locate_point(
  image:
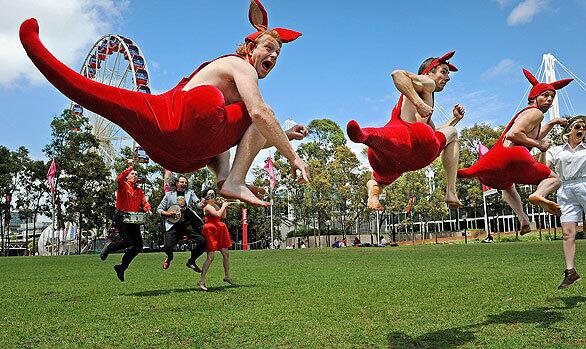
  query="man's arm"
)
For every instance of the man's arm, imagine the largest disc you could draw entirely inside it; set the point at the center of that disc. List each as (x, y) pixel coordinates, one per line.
(246, 80)
(411, 85)
(549, 126)
(145, 203)
(121, 180)
(163, 206)
(457, 115)
(525, 123)
(262, 115)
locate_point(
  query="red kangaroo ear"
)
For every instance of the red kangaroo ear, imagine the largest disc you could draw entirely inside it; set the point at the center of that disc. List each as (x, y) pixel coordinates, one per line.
(287, 35)
(258, 15)
(530, 77)
(447, 56)
(561, 83)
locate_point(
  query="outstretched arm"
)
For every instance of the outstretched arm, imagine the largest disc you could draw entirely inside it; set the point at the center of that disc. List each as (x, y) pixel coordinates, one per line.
(246, 80)
(411, 85)
(457, 115)
(549, 126)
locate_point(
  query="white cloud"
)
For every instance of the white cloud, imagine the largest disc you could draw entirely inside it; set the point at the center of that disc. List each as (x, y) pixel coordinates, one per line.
(502, 3)
(525, 11)
(505, 67)
(67, 27)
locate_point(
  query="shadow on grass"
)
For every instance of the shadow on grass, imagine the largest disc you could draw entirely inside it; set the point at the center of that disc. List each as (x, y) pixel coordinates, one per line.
(572, 301)
(544, 317)
(153, 293)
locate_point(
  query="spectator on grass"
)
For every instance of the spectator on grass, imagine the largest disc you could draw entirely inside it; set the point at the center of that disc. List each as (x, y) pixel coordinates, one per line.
(356, 242)
(383, 241)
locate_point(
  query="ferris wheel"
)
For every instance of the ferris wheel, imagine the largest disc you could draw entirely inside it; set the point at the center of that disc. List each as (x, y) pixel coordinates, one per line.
(116, 61)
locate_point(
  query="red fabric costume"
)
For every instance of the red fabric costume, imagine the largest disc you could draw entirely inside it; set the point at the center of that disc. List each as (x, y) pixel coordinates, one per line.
(216, 233)
(502, 166)
(399, 146)
(181, 130)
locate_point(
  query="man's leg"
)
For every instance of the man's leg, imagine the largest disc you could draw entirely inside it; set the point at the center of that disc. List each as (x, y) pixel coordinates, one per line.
(374, 190)
(133, 231)
(220, 166)
(546, 187)
(511, 197)
(200, 244)
(450, 157)
(234, 186)
(170, 241)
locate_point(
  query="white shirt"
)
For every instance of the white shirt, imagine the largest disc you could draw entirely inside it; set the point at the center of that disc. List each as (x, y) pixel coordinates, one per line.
(570, 164)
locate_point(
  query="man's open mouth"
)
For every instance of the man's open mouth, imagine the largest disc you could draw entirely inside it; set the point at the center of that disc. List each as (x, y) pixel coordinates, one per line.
(267, 65)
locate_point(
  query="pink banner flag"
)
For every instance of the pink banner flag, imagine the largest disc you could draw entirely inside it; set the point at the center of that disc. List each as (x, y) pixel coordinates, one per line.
(51, 175)
(482, 149)
(167, 178)
(271, 170)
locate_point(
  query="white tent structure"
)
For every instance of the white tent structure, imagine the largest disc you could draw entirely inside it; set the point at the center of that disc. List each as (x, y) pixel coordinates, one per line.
(61, 241)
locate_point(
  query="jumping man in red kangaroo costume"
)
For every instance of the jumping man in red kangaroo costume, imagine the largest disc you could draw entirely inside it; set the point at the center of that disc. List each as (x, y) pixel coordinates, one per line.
(196, 123)
(509, 160)
(410, 141)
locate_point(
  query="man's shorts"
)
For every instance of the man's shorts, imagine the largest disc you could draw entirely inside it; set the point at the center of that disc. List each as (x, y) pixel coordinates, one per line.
(572, 199)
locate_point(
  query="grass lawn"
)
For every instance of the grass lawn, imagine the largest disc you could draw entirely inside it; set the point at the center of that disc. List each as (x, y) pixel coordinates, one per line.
(427, 296)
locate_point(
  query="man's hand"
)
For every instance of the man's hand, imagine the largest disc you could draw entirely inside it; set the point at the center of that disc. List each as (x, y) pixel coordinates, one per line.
(423, 109)
(458, 112)
(297, 132)
(300, 165)
(130, 162)
(559, 121)
(543, 145)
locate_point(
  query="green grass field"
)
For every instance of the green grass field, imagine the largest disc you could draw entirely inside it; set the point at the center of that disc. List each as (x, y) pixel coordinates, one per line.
(433, 296)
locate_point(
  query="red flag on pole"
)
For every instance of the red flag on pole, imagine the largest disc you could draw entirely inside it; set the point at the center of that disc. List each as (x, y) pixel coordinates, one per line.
(271, 170)
(481, 151)
(51, 175)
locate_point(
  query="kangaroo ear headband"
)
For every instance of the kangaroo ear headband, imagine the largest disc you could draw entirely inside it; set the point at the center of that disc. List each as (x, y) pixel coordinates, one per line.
(259, 19)
(540, 87)
(441, 60)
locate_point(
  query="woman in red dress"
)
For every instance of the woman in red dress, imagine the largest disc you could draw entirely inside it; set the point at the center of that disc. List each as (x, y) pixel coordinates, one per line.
(217, 236)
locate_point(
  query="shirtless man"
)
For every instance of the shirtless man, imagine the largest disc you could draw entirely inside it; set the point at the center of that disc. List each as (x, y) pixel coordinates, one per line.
(509, 161)
(410, 141)
(196, 123)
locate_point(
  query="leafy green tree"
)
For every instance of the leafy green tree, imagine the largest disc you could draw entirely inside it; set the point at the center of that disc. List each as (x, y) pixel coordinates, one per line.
(83, 191)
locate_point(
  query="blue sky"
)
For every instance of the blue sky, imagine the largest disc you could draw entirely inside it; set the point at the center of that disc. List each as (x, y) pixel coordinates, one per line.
(338, 69)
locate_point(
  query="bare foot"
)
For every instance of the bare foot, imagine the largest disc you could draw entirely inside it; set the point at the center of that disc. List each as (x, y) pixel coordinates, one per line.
(452, 200)
(202, 286)
(373, 193)
(547, 205)
(257, 191)
(525, 229)
(241, 192)
(229, 281)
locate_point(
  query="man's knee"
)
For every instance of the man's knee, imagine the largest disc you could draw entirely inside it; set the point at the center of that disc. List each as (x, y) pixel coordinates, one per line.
(451, 134)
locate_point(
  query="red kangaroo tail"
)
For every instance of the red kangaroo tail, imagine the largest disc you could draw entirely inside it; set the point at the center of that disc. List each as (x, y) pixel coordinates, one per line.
(115, 104)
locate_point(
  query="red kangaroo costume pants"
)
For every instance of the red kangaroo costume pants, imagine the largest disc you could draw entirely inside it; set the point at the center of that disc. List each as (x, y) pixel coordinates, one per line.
(502, 166)
(399, 146)
(181, 130)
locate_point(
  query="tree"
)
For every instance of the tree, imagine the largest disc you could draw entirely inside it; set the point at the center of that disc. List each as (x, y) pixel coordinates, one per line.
(83, 191)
